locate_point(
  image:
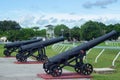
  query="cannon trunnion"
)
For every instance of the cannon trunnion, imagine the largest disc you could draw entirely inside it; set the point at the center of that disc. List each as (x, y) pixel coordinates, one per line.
(74, 58)
(28, 50)
(12, 47)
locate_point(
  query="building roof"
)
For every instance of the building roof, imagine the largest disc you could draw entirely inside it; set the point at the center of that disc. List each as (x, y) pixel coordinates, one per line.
(49, 26)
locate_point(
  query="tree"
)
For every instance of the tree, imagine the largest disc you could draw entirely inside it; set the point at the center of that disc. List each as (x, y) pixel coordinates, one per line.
(75, 33)
(9, 25)
(61, 29)
(91, 30)
(13, 35)
(114, 27)
(23, 34)
(41, 33)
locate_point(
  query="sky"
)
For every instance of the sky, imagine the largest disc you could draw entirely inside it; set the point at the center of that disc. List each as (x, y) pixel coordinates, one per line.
(30, 13)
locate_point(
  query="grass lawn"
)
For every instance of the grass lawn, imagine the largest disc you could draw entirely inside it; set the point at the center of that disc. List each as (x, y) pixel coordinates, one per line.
(105, 60)
(1, 49)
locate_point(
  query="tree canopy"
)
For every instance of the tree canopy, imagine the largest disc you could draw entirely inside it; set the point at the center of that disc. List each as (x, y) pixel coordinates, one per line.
(89, 30)
(9, 25)
(75, 33)
(61, 29)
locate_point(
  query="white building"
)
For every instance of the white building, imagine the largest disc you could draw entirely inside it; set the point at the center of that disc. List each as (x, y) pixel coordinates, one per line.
(3, 39)
(50, 31)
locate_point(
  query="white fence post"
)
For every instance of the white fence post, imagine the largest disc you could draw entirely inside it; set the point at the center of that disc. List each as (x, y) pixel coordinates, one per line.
(87, 53)
(62, 49)
(99, 55)
(113, 62)
(67, 48)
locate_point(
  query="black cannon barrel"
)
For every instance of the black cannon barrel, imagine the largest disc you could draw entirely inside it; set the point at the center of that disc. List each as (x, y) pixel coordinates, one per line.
(63, 57)
(41, 44)
(19, 43)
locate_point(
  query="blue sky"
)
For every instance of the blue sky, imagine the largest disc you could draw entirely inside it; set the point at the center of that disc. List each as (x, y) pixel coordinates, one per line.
(69, 12)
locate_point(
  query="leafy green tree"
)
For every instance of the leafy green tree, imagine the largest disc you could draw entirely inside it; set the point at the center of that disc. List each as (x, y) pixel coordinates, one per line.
(24, 34)
(43, 33)
(27, 33)
(2, 33)
(9, 25)
(75, 33)
(61, 29)
(91, 30)
(12, 35)
(114, 27)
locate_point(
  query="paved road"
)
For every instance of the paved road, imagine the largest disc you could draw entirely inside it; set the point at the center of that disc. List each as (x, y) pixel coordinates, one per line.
(11, 71)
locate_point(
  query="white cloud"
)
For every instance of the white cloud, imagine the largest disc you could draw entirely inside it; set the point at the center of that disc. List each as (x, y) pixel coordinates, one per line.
(53, 20)
(67, 19)
(31, 19)
(42, 21)
(98, 3)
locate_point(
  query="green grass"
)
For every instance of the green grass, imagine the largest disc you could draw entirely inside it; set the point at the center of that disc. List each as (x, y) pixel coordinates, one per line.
(105, 60)
(1, 49)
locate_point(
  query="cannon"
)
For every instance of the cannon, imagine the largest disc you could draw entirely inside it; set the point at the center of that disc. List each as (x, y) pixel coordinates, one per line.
(13, 47)
(74, 58)
(28, 50)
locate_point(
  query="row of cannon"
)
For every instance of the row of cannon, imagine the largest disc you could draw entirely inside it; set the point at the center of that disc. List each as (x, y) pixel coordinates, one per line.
(54, 65)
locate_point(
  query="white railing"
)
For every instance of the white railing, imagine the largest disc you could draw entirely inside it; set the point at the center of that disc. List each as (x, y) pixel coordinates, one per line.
(113, 62)
(99, 55)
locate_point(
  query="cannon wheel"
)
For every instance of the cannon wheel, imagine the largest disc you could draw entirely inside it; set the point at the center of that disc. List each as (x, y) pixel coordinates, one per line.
(45, 69)
(43, 58)
(21, 58)
(78, 69)
(55, 71)
(87, 69)
(6, 53)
